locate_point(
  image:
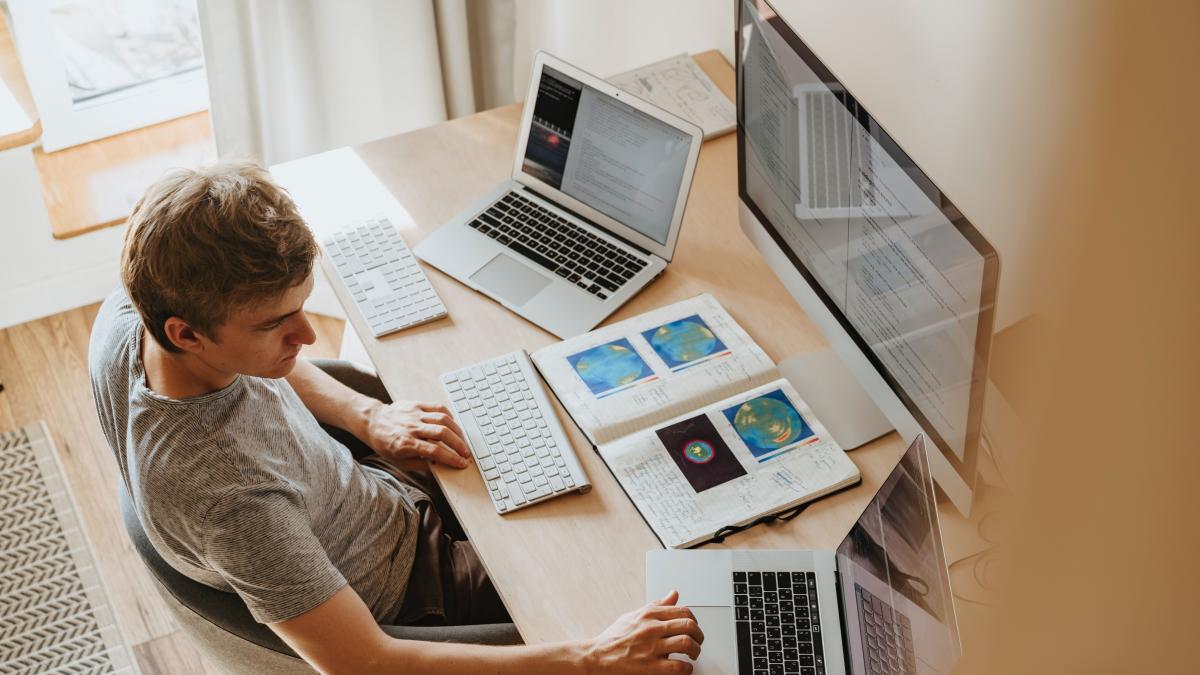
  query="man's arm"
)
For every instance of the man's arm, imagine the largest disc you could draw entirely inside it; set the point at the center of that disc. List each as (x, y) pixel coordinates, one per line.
(341, 636)
(401, 430)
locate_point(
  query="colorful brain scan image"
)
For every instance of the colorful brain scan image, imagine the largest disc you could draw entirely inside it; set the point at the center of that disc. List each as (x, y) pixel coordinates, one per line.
(769, 424)
(610, 367)
(701, 454)
(698, 452)
(685, 342)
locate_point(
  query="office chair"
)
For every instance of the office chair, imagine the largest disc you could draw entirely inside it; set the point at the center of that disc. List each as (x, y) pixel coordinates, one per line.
(226, 634)
(221, 625)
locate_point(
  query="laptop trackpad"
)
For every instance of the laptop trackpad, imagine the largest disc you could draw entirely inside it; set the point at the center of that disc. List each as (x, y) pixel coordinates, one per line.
(513, 281)
(718, 654)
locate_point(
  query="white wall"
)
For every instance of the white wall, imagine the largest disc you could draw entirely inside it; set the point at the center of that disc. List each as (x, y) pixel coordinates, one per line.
(40, 275)
(606, 37)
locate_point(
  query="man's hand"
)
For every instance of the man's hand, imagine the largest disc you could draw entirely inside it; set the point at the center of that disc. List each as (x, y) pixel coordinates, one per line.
(412, 429)
(641, 641)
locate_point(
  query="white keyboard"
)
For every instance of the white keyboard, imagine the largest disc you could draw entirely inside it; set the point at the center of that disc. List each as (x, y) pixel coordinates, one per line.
(520, 447)
(388, 286)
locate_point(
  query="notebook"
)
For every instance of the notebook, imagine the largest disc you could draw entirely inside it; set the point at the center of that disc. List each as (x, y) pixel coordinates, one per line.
(695, 421)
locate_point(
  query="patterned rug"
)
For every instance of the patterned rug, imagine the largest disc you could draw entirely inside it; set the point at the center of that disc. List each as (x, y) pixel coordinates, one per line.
(54, 614)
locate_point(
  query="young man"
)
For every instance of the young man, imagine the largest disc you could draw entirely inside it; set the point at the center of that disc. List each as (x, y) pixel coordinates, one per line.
(216, 425)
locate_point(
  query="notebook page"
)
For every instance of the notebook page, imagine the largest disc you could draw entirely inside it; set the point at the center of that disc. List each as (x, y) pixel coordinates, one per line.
(756, 453)
(622, 378)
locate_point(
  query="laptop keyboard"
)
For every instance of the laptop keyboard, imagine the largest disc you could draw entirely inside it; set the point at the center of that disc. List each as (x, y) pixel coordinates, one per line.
(548, 239)
(778, 625)
(886, 636)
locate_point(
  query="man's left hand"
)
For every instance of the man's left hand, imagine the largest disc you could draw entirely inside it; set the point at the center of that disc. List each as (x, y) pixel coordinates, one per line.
(415, 429)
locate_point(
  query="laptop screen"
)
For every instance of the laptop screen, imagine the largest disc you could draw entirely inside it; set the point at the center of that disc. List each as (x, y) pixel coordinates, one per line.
(606, 154)
(898, 609)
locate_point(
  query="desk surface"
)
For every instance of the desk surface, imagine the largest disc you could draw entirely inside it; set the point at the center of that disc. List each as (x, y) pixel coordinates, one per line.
(566, 568)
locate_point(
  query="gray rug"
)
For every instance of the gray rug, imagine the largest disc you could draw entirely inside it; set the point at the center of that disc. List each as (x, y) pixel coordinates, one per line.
(54, 614)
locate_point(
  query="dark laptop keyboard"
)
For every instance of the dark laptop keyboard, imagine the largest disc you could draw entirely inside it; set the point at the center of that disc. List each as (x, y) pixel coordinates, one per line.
(553, 242)
(886, 636)
(778, 625)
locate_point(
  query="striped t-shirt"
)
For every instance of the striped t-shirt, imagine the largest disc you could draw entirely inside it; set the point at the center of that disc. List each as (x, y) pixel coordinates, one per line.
(242, 490)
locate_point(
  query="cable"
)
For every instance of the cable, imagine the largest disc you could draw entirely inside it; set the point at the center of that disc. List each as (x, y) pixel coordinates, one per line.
(981, 560)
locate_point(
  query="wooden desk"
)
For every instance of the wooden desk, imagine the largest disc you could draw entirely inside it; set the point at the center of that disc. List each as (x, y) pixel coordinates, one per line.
(568, 567)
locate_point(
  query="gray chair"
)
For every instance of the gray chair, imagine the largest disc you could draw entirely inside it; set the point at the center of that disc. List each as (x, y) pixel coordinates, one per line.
(228, 635)
(223, 628)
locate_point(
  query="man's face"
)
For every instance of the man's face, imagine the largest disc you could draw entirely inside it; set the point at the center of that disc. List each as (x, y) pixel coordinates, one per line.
(263, 338)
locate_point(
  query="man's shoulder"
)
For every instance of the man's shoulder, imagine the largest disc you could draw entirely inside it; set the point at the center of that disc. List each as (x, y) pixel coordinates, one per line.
(114, 327)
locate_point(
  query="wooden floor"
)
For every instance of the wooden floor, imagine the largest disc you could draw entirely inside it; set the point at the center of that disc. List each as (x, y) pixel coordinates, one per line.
(43, 367)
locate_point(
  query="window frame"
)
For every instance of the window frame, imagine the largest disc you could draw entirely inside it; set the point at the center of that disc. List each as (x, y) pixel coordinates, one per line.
(63, 124)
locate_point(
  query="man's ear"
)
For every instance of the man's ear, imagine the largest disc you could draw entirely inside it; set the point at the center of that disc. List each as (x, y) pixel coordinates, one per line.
(183, 335)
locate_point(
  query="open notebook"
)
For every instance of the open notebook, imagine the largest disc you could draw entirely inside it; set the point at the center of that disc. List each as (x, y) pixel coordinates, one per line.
(694, 420)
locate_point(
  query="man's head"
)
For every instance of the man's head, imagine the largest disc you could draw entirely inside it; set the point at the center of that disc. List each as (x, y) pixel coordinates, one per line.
(218, 263)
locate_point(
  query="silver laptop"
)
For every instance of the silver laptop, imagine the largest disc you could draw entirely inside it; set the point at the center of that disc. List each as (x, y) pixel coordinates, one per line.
(880, 604)
(591, 212)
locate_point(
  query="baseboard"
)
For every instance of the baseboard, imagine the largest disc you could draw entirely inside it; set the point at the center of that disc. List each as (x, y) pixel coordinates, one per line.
(58, 293)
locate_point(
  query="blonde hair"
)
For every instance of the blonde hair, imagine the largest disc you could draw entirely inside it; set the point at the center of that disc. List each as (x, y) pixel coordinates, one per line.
(202, 243)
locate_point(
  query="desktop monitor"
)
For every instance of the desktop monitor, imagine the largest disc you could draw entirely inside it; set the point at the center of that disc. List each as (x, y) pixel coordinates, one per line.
(897, 279)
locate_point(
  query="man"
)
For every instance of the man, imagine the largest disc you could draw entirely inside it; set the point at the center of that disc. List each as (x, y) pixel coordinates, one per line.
(216, 425)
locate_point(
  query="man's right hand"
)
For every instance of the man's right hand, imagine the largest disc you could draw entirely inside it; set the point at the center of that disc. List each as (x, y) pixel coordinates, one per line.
(642, 640)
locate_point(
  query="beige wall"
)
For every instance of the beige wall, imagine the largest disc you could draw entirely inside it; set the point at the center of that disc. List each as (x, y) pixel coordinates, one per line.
(1068, 132)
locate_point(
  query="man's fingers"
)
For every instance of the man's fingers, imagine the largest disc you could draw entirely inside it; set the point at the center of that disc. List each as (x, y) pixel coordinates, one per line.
(668, 612)
(679, 644)
(670, 599)
(434, 452)
(673, 667)
(431, 407)
(446, 436)
(681, 627)
(444, 419)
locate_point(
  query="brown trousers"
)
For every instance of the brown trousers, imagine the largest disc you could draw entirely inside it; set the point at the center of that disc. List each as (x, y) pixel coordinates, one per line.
(448, 585)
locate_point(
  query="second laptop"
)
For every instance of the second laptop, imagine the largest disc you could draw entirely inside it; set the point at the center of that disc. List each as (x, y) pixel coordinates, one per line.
(591, 212)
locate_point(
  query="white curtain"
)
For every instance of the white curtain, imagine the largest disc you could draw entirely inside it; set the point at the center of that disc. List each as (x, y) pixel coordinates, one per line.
(606, 37)
(289, 78)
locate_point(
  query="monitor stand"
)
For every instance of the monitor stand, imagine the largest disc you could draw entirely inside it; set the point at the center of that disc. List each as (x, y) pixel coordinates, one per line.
(836, 398)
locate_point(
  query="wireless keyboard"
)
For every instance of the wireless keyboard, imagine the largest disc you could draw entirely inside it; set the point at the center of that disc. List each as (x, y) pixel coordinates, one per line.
(388, 286)
(520, 448)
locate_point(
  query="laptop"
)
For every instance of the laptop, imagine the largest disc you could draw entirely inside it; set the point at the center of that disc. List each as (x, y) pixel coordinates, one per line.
(591, 212)
(879, 604)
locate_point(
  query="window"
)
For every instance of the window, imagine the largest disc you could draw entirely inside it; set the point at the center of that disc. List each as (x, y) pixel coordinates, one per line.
(102, 67)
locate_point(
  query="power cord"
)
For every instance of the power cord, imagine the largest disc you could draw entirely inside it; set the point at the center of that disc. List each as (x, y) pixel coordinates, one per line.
(984, 565)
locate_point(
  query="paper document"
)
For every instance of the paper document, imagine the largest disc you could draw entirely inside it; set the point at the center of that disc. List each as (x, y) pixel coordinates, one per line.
(757, 453)
(694, 420)
(678, 85)
(624, 377)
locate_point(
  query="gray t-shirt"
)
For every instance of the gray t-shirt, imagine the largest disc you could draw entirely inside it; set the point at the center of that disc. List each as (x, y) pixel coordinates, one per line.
(242, 490)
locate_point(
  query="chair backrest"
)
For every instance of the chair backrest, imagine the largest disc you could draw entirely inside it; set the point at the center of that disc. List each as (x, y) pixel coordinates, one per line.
(222, 609)
(221, 620)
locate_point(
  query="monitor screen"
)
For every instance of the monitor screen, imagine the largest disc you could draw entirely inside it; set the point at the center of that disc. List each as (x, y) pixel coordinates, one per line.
(898, 609)
(904, 273)
(616, 159)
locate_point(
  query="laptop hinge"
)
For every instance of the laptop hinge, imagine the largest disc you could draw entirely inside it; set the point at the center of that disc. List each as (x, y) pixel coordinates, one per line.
(580, 216)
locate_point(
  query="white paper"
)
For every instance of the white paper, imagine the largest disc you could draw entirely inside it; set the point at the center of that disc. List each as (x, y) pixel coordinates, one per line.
(678, 85)
(682, 516)
(661, 390)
